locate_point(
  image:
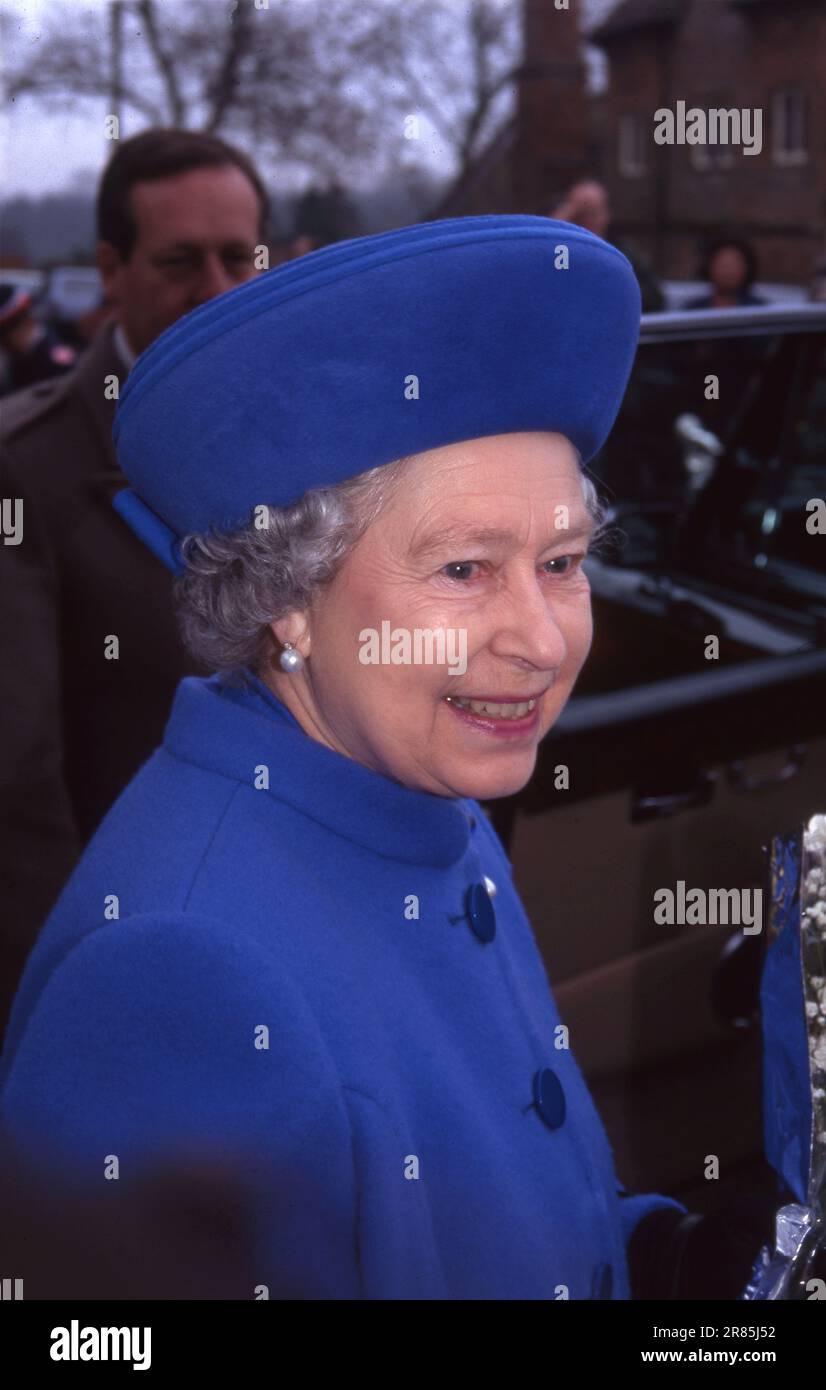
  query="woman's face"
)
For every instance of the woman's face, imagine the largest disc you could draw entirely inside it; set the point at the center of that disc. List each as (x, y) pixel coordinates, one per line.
(728, 270)
(511, 608)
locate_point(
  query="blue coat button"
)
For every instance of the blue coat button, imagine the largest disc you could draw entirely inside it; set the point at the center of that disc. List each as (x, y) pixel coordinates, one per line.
(480, 913)
(549, 1097)
(602, 1281)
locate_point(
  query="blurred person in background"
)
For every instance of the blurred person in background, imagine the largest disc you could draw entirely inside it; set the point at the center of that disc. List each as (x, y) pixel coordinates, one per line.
(33, 350)
(730, 266)
(587, 204)
(302, 244)
(179, 217)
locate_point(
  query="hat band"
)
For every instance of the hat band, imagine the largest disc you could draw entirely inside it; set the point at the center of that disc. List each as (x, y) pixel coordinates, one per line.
(149, 528)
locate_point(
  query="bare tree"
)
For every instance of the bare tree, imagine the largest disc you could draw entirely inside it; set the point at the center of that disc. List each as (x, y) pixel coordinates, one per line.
(324, 85)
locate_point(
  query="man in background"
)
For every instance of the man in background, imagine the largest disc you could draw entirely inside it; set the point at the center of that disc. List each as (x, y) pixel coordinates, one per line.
(179, 217)
(588, 205)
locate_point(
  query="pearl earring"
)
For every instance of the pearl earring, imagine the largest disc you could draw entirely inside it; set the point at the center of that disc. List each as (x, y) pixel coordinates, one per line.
(291, 660)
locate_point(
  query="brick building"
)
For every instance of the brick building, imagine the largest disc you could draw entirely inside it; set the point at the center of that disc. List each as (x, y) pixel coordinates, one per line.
(552, 145)
(548, 142)
(766, 54)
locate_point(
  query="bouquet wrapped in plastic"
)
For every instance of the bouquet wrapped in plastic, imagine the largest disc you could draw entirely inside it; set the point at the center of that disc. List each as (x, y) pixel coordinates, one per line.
(793, 1008)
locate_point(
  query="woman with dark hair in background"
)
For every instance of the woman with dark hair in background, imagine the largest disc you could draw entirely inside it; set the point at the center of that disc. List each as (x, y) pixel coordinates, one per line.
(731, 267)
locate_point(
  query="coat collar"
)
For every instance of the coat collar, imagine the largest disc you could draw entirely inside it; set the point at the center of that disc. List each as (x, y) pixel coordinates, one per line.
(100, 360)
(235, 729)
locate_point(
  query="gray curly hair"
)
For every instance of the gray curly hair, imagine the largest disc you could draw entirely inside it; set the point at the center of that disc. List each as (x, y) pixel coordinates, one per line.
(237, 583)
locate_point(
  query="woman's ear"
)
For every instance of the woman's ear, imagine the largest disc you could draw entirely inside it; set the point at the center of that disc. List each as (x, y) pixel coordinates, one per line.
(294, 627)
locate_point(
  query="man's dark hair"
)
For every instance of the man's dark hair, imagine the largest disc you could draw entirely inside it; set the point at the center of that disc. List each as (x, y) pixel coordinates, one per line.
(161, 153)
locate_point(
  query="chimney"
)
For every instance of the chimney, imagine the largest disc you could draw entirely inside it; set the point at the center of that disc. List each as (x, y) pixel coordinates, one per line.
(551, 146)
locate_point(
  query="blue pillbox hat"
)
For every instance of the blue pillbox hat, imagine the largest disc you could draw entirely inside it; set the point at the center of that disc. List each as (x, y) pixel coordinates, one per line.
(367, 351)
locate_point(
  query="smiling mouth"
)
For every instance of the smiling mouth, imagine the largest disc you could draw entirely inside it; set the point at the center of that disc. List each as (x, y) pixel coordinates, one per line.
(495, 709)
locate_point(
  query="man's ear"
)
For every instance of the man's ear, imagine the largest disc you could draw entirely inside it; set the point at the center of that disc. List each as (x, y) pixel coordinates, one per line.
(108, 263)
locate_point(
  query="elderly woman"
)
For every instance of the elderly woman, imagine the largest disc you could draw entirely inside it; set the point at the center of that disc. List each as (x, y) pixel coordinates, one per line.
(294, 940)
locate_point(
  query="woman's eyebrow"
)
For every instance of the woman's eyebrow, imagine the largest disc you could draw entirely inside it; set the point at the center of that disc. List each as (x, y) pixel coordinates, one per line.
(449, 537)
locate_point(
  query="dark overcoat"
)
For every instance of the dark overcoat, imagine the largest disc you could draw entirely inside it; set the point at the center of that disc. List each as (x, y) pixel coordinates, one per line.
(77, 721)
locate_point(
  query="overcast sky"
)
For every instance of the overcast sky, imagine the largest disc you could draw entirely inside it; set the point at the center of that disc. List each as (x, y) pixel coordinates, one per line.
(42, 153)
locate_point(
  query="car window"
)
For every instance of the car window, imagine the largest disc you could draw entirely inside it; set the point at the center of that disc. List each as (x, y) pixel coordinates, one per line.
(747, 525)
(652, 454)
(781, 512)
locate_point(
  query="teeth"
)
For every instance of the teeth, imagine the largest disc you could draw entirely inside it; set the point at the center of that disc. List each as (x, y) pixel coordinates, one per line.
(496, 711)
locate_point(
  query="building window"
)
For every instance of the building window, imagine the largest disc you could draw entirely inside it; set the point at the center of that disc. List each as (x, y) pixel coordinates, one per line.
(632, 136)
(711, 157)
(790, 126)
(705, 158)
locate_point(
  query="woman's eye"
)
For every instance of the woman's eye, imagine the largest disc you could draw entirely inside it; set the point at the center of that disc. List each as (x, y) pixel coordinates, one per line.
(566, 565)
(570, 563)
(450, 570)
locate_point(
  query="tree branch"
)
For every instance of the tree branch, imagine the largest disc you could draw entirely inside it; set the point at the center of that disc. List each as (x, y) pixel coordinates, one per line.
(145, 10)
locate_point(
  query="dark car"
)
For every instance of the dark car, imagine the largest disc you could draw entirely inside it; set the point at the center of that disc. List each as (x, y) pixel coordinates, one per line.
(685, 756)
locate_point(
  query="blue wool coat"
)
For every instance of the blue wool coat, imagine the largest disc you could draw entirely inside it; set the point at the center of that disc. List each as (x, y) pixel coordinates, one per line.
(302, 975)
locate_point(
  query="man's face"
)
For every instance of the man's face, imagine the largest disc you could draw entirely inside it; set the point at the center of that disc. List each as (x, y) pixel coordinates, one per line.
(197, 234)
(592, 210)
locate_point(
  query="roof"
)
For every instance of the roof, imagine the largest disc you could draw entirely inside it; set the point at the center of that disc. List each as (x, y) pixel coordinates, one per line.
(629, 15)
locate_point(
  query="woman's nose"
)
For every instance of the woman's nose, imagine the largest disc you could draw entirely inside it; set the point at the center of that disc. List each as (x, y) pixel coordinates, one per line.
(529, 628)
